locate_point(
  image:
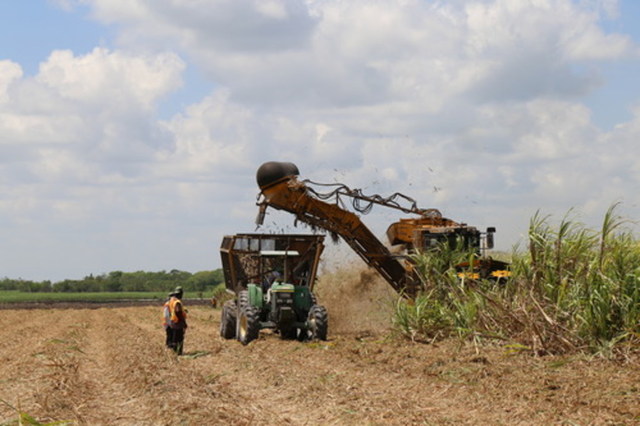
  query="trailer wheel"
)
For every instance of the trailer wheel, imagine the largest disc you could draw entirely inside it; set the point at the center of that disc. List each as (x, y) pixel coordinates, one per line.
(248, 324)
(228, 320)
(317, 322)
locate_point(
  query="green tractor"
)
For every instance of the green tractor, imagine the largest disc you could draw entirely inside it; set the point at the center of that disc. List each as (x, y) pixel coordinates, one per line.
(272, 278)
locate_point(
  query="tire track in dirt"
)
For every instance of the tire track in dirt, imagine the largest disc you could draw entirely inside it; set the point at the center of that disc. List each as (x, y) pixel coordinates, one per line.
(207, 363)
(321, 382)
(110, 366)
(43, 366)
(372, 379)
(107, 400)
(315, 382)
(128, 365)
(150, 385)
(22, 338)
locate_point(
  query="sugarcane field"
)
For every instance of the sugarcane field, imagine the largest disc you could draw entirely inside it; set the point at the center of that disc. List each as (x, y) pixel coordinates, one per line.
(110, 366)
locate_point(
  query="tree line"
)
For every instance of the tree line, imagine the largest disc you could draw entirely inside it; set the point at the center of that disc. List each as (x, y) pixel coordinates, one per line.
(118, 281)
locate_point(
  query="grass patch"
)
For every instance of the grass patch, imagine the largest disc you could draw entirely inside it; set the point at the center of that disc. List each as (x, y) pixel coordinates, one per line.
(12, 296)
(26, 419)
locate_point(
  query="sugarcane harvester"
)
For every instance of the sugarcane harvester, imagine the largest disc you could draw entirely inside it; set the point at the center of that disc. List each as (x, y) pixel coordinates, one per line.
(281, 189)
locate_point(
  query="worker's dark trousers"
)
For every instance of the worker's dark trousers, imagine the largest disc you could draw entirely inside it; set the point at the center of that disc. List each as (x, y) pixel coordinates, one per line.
(175, 339)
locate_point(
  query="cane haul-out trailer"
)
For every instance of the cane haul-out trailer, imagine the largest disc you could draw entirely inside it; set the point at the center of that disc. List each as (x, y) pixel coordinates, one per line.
(272, 277)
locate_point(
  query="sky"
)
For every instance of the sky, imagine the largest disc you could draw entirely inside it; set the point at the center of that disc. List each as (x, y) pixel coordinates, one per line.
(131, 130)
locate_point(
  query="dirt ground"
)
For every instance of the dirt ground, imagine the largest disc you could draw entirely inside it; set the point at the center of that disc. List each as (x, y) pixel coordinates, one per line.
(109, 366)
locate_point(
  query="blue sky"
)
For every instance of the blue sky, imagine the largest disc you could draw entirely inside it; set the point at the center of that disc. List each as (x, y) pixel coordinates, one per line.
(130, 131)
(32, 30)
(619, 94)
(74, 29)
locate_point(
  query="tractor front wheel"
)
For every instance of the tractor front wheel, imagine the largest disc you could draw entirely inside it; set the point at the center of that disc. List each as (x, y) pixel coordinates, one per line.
(248, 324)
(317, 323)
(228, 320)
(243, 299)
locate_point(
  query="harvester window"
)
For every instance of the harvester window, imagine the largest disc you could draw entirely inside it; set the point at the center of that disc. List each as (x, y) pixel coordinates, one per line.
(431, 243)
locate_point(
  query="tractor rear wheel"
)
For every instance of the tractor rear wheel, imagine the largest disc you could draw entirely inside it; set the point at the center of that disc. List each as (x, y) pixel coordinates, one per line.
(248, 324)
(228, 320)
(318, 323)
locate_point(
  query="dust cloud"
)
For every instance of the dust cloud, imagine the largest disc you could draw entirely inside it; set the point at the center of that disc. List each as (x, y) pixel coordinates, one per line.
(358, 300)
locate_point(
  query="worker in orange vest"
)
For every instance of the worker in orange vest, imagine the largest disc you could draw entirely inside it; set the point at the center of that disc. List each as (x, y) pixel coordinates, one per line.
(166, 318)
(175, 321)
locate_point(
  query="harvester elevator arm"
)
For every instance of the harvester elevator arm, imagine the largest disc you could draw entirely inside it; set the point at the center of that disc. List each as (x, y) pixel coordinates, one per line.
(281, 190)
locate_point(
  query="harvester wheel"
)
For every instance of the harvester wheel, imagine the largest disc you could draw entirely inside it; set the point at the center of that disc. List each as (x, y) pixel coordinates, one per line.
(228, 320)
(318, 323)
(248, 324)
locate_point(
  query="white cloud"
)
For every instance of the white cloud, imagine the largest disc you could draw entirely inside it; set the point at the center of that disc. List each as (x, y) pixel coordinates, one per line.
(333, 54)
(75, 128)
(557, 27)
(9, 71)
(87, 100)
(272, 8)
(103, 77)
(212, 135)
